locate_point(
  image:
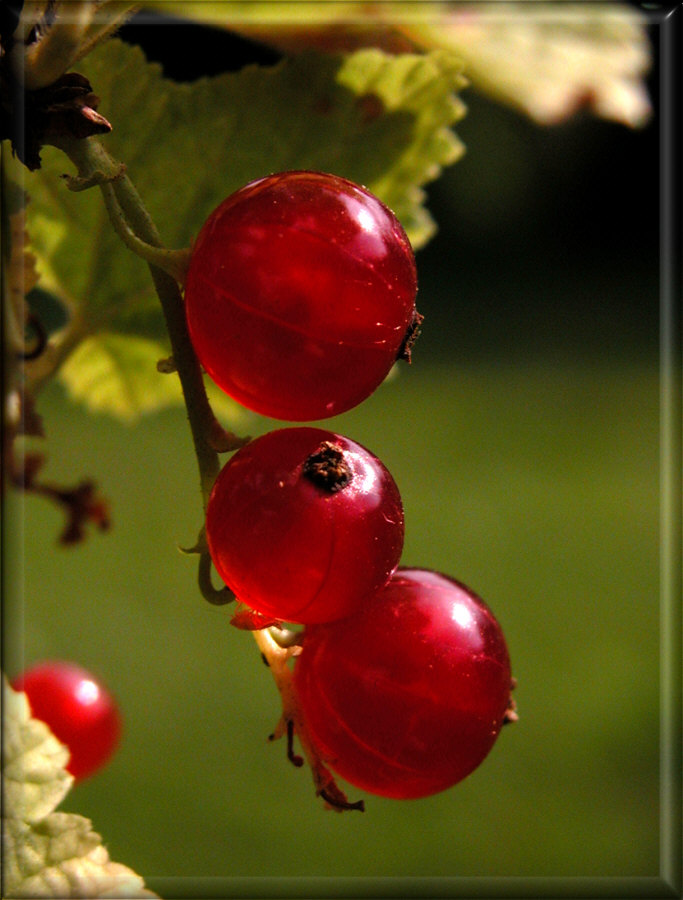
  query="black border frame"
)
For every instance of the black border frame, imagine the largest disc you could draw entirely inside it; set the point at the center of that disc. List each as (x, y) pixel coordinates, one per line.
(665, 24)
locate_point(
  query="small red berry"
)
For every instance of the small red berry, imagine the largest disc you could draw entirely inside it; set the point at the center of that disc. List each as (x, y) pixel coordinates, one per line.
(77, 708)
(406, 697)
(304, 525)
(300, 295)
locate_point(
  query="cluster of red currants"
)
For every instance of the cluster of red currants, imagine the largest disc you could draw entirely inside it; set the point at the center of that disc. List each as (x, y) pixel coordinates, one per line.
(300, 297)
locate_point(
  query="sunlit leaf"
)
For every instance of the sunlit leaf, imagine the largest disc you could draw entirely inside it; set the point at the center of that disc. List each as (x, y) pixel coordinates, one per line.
(33, 760)
(550, 60)
(546, 59)
(117, 373)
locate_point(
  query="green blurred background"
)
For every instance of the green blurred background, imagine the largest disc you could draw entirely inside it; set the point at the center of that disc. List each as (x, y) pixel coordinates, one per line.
(525, 442)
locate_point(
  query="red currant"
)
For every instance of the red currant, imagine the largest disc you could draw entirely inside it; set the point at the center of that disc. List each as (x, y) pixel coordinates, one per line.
(300, 295)
(78, 709)
(303, 525)
(407, 696)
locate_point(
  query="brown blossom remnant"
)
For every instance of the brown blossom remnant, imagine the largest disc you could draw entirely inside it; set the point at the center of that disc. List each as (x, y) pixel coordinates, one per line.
(82, 504)
(511, 714)
(405, 351)
(327, 468)
(66, 108)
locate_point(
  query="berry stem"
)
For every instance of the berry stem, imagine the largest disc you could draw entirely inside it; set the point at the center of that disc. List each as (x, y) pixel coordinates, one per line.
(216, 596)
(131, 219)
(200, 415)
(72, 35)
(47, 59)
(134, 225)
(174, 262)
(292, 723)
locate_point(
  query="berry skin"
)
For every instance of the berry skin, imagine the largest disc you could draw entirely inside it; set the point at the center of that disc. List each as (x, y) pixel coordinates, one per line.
(79, 711)
(300, 295)
(303, 525)
(407, 696)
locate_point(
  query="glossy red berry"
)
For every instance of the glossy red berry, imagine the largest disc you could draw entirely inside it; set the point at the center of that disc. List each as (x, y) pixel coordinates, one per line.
(407, 696)
(300, 295)
(77, 708)
(303, 525)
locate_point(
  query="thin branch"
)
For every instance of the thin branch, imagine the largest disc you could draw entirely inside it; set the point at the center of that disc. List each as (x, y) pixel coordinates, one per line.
(217, 596)
(174, 262)
(96, 166)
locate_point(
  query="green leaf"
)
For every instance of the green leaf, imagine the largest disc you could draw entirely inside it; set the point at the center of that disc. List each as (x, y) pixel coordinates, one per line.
(46, 853)
(187, 146)
(117, 373)
(62, 856)
(380, 120)
(33, 760)
(549, 60)
(285, 14)
(545, 59)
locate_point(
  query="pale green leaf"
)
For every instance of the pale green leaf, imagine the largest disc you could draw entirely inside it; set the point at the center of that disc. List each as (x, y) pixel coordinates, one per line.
(46, 853)
(380, 120)
(545, 59)
(33, 760)
(275, 16)
(62, 856)
(117, 373)
(550, 59)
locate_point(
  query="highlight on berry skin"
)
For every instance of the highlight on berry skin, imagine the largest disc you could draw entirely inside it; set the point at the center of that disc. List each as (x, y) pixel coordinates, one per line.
(300, 295)
(407, 696)
(78, 709)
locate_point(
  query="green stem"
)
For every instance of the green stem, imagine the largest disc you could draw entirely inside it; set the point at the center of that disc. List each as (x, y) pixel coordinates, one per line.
(200, 415)
(95, 166)
(174, 262)
(124, 206)
(218, 596)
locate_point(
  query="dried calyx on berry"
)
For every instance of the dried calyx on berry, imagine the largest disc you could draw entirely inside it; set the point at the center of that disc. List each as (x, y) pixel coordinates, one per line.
(405, 351)
(328, 468)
